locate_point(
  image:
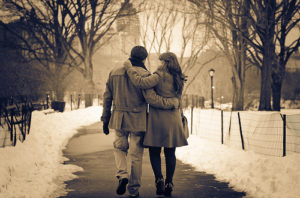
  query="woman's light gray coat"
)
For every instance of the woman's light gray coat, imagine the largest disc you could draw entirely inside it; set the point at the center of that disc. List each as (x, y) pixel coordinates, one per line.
(164, 127)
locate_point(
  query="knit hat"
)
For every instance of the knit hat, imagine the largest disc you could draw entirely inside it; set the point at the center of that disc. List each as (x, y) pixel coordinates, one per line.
(139, 52)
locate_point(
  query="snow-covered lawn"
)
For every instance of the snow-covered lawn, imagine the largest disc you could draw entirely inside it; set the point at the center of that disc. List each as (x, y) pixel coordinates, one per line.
(34, 168)
(258, 175)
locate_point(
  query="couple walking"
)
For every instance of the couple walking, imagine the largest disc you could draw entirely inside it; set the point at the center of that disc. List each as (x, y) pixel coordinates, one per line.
(129, 90)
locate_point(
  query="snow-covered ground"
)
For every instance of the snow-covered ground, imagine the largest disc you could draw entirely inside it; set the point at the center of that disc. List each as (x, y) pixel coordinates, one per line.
(258, 175)
(34, 168)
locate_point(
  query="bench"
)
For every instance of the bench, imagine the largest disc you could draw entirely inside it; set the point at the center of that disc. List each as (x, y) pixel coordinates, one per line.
(16, 118)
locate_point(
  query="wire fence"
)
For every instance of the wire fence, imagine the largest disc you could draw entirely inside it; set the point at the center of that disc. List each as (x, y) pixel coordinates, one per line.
(293, 133)
(267, 133)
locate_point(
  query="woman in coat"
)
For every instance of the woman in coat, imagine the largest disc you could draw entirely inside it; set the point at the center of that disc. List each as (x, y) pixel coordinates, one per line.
(165, 128)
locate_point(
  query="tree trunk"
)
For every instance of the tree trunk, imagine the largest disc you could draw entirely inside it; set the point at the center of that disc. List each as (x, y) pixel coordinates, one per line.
(278, 71)
(239, 100)
(89, 78)
(276, 94)
(278, 74)
(238, 95)
(265, 88)
(88, 98)
(58, 83)
(59, 90)
(242, 55)
(268, 18)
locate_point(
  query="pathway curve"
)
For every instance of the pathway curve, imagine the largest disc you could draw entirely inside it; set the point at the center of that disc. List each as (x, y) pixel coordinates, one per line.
(93, 151)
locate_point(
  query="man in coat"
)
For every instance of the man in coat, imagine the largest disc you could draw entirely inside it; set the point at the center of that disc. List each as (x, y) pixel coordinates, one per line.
(128, 119)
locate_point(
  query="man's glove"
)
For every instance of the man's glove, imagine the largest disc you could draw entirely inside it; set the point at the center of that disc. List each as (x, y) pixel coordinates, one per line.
(105, 128)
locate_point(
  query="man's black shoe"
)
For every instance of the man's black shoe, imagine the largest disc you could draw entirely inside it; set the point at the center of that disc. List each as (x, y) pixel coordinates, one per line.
(160, 186)
(134, 196)
(122, 186)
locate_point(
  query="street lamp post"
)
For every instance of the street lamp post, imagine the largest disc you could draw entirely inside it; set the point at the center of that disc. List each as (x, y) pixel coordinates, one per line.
(211, 73)
(222, 98)
(47, 100)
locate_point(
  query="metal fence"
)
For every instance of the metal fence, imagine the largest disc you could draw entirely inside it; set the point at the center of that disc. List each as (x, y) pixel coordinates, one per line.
(15, 119)
(268, 133)
(75, 100)
(15, 112)
(293, 133)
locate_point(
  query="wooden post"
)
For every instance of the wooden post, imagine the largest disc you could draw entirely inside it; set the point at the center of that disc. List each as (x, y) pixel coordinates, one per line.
(192, 110)
(78, 101)
(222, 129)
(47, 101)
(284, 135)
(71, 102)
(241, 132)
(11, 125)
(192, 113)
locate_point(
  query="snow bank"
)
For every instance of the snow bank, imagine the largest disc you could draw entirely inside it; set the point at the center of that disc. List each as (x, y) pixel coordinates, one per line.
(34, 168)
(258, 175)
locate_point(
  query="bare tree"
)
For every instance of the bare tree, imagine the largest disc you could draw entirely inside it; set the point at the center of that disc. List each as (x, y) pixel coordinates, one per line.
(262, 19)
(93, 19)
(287, 19)
(56, 26)
(44, 33)
(159, 18)
(227, 21)
(271, 23)
(255, 27)
(162, 19)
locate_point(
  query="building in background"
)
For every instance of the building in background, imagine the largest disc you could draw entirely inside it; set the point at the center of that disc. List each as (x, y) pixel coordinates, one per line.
(124, 34)
(119, 41)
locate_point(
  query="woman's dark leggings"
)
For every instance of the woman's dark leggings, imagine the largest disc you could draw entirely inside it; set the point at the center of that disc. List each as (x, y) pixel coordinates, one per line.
(156, 162)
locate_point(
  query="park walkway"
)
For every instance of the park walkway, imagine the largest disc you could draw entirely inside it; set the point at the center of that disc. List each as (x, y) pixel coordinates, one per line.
(93, 151)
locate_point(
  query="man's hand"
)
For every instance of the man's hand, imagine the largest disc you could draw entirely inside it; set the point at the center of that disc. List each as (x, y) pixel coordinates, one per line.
(175, 102)
(105, 128)
(159, 73)
(127, 65)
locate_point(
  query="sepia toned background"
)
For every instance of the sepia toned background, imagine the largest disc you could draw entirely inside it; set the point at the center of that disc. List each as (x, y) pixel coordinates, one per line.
(47, 49)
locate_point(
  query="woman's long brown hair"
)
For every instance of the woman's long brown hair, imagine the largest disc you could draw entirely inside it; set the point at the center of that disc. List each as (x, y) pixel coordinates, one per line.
(174, 69)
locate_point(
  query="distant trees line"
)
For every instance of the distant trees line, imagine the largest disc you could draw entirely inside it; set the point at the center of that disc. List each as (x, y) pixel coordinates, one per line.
(247, 32)
(64, 35)
(254, 32)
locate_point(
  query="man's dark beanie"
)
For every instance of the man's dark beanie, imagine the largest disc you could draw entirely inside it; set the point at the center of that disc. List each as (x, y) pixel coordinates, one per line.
(139, 52)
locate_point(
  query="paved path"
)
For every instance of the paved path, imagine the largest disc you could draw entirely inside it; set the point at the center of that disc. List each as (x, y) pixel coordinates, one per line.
(93, 151)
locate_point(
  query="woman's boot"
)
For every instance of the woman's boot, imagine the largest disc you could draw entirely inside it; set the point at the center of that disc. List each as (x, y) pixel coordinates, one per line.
(168, 189)
(160, 187)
